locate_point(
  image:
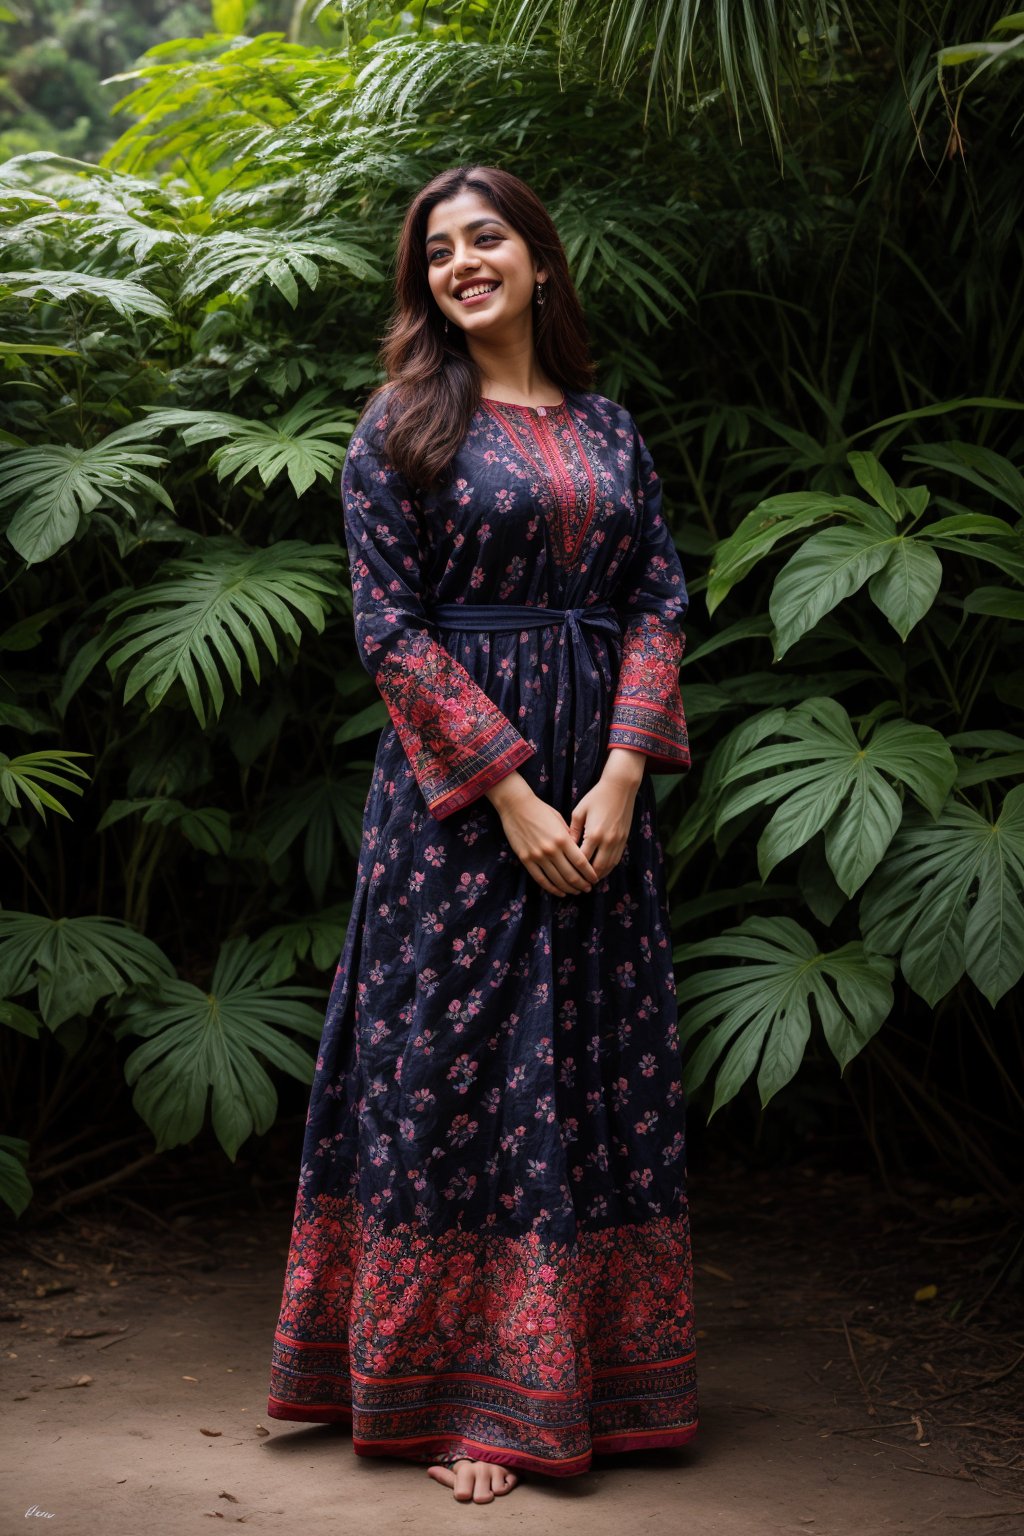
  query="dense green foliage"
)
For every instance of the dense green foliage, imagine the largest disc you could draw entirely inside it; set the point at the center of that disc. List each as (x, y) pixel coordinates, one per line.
(800, 255)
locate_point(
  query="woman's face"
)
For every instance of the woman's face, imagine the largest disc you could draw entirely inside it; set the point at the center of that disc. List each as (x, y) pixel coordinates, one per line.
(480, 269)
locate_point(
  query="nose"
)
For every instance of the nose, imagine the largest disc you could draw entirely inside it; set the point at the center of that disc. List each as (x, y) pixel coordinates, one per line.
(465, 258)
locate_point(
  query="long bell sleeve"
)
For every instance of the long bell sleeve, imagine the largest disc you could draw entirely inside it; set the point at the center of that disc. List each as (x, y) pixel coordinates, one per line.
(651, 600)
(457, 741)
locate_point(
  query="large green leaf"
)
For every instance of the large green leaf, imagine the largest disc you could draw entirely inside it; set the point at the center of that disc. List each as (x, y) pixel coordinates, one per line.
(74, 961)
(56, 485)
(947, 899)
(758, 1011)
(305, 441)
(15, 1189)
(27, 774)
(235, 261)
(198, 1040)
(124, 295)
(775, 518)
(831, 781)
(205, 611)
(321, 811)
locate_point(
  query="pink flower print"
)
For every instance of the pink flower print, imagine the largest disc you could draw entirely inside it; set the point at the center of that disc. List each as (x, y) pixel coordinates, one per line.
(598, 1207)
(598, 1158)
(422, 1098)
(379, 1150)
(406, 1129)
(462, 1183)
(626, 974)
(463, 1073)
(641, 1178)
(545, 1108)
(543, 1052)
(647, 1122)
(378, 1031)
(512, 1201)
(534, 1168)
(648, 1065)
(674, 1094)
(674, 1151)
(567, 1072)
(436, 857)
(472, 888)
(462, 1130)
(516, 1077)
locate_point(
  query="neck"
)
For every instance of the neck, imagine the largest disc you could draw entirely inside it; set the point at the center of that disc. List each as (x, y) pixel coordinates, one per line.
(509, 369)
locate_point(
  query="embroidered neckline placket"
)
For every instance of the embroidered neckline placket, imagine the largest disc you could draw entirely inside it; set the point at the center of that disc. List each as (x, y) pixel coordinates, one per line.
(553, 469)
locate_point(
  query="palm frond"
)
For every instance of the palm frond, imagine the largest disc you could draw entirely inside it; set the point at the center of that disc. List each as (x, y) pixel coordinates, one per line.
(56, 485)
(305, 441)
(26, 775)
(200, 1041)
(74, 962)
(125, 296)
(204, 612)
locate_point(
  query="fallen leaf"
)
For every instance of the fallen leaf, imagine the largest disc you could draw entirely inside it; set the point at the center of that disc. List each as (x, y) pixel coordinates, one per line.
(211, 1431)
(228, 1496)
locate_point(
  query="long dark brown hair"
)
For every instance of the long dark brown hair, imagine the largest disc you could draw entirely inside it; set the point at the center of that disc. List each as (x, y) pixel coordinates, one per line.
(433, 385)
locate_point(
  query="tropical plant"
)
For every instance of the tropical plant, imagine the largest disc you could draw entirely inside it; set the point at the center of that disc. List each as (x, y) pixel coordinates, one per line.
(791, 229)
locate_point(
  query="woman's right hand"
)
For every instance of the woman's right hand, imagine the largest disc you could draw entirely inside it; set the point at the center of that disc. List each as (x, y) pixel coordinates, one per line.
(541, 839)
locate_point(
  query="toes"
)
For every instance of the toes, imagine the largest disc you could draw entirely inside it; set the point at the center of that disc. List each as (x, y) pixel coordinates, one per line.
(464, 1480)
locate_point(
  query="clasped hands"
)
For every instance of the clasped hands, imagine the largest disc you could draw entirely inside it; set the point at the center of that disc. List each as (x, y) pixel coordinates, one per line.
(551, 849)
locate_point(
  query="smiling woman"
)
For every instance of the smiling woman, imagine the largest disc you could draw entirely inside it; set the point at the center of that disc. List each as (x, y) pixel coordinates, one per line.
(490, 1267)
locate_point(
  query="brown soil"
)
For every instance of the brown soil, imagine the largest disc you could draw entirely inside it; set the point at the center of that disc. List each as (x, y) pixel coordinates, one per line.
(838, 1393)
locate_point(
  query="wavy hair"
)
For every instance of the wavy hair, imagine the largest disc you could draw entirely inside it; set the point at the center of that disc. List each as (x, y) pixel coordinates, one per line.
(432, 383)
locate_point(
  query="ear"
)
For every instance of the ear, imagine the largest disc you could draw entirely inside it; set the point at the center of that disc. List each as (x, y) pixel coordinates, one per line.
(541, 274)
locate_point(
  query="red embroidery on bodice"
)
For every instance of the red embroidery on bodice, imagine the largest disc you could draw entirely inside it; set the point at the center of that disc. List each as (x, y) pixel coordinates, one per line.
(547, 438)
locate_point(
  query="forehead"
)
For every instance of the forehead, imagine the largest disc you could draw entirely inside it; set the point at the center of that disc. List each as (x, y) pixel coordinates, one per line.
(456, 212)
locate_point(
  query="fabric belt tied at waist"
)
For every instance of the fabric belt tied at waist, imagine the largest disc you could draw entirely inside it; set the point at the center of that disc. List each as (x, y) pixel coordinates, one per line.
(522, 616)
(580, 716)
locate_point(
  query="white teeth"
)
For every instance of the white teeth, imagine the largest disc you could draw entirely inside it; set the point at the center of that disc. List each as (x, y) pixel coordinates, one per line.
(471, 293)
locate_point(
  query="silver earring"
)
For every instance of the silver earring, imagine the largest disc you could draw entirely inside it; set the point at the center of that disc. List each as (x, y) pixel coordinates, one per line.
(540, 294)
(446, 325)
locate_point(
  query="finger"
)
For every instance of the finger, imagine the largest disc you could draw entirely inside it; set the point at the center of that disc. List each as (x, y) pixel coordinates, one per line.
(570, 874)
(542, 880)
(546, 876)
(506, 1481)
(442, 1474)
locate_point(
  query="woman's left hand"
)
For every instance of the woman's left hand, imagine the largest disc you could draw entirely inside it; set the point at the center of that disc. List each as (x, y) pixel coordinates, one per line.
(605, 813)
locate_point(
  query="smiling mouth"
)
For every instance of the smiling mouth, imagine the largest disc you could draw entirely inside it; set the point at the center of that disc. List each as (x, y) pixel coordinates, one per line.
(477, 291)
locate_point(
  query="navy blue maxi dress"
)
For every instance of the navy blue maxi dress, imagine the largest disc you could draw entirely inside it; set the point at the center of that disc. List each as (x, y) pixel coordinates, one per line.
(490, 1254)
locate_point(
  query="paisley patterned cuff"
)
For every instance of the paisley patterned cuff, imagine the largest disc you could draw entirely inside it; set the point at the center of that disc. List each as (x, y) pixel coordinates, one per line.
(647, 713)
(457, 741)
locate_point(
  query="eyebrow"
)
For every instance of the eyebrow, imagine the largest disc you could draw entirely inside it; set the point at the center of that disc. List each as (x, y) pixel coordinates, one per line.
(473, 224)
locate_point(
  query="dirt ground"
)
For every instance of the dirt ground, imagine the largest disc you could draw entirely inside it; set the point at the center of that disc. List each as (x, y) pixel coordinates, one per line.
(840, 1394)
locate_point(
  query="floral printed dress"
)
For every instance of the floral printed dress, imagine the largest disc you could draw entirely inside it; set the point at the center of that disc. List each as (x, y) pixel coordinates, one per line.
(490, 1254)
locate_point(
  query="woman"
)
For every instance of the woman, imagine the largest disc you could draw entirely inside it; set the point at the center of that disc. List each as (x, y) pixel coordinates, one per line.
(490, 1261)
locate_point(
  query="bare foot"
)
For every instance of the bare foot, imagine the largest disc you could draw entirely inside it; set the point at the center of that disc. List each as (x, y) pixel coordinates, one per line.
(476, 1480)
